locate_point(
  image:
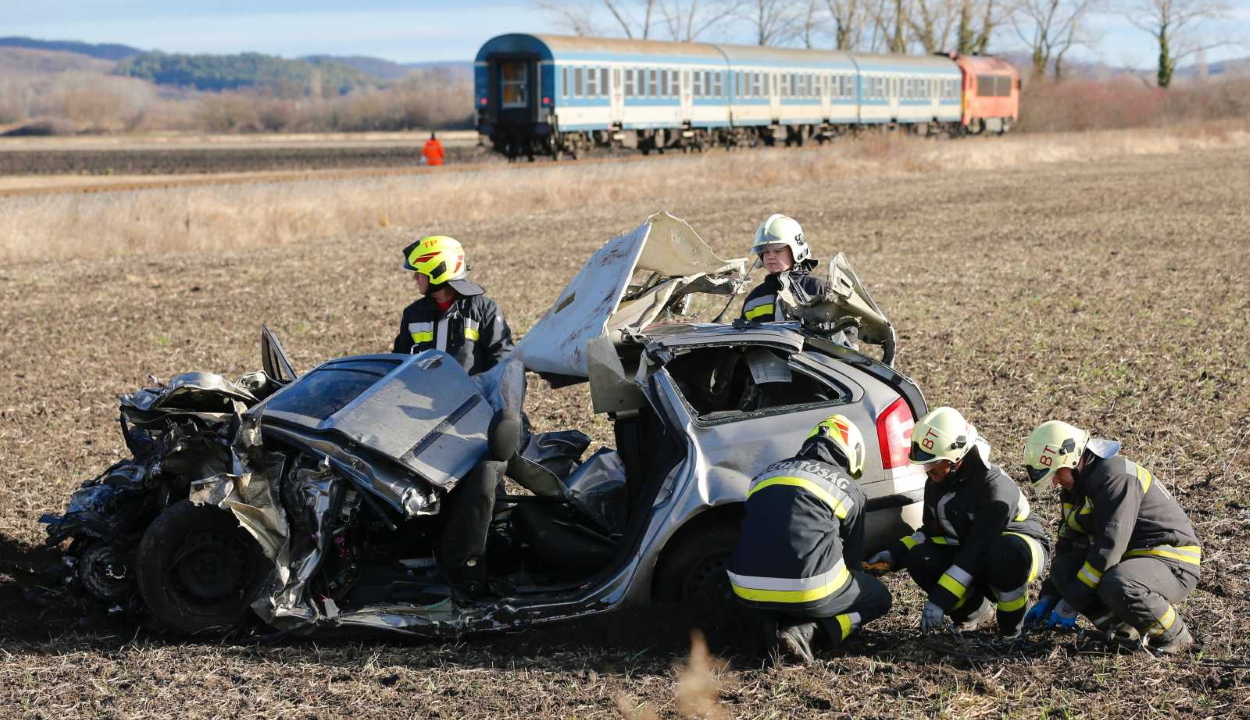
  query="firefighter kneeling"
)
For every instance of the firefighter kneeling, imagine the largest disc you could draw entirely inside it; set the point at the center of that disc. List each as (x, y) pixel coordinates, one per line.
(803, 532)
(979, 537)
(1126, 549)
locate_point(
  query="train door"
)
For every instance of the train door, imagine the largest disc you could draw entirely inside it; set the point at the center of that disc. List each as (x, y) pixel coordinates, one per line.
(827, 87)
(894, 84)
(687, 96)
(773, 79)
(617, 96)
(514, 86)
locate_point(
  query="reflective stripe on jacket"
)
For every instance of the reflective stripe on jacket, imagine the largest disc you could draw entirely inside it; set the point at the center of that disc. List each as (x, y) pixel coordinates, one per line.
(969, 509)
(472, 330)
(1117, 509)
(802, 534)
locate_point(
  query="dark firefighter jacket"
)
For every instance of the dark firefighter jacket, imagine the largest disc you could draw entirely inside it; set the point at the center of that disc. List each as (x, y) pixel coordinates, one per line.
(472, 330)
(1118, 510)
(762, 304)
(970, 508)
(803, 528)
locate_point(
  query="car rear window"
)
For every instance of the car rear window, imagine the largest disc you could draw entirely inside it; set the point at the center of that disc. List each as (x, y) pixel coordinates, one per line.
(329, 388)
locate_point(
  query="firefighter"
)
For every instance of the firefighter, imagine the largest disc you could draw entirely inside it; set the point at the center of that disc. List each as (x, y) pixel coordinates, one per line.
(979, 539)
(1126, 553)
(798, 559)
(433, 151)
(785, 255)
(453, 314)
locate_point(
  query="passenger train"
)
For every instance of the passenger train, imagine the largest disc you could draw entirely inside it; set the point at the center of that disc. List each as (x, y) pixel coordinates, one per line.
(557, 95)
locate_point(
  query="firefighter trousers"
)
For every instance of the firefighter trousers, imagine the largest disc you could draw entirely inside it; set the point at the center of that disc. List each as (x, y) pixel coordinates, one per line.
(1003, 573)
(864, 599)
(1140, 591)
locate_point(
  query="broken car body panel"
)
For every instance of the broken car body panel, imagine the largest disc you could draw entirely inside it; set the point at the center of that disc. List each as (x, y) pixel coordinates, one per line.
(336, 473)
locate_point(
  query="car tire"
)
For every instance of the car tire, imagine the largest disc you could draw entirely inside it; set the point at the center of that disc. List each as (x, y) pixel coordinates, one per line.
(693, 575)
(198, 570)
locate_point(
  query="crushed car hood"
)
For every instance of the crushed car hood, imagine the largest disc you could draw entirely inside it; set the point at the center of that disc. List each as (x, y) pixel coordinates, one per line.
(605, 300)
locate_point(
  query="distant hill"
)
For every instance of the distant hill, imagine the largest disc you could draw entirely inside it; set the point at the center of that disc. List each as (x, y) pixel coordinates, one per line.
(246, 70)
(107, 51)
(389, 70)
(49, 61)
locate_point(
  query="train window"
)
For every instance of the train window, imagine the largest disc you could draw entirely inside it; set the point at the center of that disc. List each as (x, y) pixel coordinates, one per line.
(697, 88)
(663, 83)
(653, 83)
(768, 84)
(674, 84)
(514, 83)
(592, 82)
(630, 88)
(718, 88)
(579, 83)
(564, 82)
(604, 85)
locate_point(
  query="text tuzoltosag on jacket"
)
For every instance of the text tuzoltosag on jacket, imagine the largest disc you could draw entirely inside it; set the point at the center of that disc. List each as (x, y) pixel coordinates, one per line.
(970, 509)
(1118, 510)
(802, 534)
(472, 330)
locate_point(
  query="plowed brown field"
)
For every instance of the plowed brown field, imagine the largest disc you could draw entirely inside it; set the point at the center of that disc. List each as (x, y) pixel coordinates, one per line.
(1112, 294)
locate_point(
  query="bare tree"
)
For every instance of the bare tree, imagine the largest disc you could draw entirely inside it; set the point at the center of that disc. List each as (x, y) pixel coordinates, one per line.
(773, 22)
(978, 19)
(847, 17)
(1051, 28)
(575, 18)
(686, 20)
(1177, 25)
(931, 22)
(813, 24)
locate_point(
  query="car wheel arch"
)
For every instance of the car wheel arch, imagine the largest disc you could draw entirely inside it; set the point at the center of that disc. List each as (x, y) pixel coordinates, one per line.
(718, 519)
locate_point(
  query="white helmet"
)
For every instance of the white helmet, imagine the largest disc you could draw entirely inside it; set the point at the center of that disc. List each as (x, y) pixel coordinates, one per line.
(1053, 445)
(781, 230)
(942, 434)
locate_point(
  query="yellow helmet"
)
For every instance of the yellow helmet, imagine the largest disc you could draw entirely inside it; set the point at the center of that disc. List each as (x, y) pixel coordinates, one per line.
(1053, 445)
(846, 438)
(942, 434)
(438, 257)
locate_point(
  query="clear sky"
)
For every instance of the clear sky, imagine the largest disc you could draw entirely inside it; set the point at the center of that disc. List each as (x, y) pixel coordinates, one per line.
(413, 31)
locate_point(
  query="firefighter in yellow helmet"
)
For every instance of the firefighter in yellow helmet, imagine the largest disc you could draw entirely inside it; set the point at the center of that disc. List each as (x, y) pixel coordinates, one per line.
(784, 253)
(1126, 551)
(798, 560)
(453, 313)
(979, 542)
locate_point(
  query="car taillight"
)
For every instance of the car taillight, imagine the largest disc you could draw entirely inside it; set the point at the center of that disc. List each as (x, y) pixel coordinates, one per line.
(546, 101)
(894, 434)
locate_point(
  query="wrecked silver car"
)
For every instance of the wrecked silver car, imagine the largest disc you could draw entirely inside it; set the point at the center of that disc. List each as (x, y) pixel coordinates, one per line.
(312, 501)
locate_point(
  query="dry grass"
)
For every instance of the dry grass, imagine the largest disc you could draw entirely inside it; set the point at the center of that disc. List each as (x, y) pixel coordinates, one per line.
(1112, 293)
(216, 219)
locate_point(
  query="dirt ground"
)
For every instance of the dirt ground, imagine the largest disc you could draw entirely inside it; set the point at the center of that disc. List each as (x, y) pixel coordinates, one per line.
(1114, 295)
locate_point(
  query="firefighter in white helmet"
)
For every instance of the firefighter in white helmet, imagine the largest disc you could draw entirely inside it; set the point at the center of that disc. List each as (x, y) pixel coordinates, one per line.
(979, 547)
(784, 253)
(1126, 551)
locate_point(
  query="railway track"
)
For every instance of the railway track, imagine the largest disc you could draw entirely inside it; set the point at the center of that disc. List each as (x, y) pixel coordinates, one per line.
(290, 176)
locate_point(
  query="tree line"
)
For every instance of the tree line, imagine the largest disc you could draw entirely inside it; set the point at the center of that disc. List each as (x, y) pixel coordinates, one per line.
(1048, 29)
(278, 76)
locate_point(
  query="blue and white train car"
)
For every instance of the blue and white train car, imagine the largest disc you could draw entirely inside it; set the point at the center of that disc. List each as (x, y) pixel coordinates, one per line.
(792, 88)
(551, 94)
(910, 90)
(554, 94)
